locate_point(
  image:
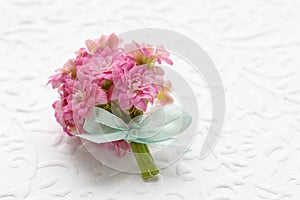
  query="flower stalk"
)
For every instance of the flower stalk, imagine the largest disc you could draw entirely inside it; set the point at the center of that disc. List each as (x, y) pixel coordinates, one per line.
(142, 153)
(144, 160)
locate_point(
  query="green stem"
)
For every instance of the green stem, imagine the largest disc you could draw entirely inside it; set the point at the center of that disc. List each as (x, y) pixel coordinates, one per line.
(149, 159)
(139, 159)
(144, 159)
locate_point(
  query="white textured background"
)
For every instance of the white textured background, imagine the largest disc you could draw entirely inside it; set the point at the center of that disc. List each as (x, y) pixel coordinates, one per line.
(254, 44)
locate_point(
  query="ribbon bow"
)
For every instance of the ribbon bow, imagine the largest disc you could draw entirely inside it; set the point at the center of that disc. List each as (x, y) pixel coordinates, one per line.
(161, 125)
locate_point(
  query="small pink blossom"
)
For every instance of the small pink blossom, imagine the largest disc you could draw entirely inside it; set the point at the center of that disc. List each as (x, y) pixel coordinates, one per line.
(85, 96)
(146, 54)
(162, 55)
(81, 56)
(67, 72)
(135, 87)
(164, 95)
(97, 64)
(63, 108)
(111, 41)
(61, 117)
(121, 65)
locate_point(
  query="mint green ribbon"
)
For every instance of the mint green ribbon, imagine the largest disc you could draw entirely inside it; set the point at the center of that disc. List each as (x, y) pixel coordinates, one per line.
(161, 125)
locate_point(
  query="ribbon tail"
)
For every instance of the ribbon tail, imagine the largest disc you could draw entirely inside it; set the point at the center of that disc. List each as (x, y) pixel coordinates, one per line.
(174, 143)
(102, 138)
(100, 133)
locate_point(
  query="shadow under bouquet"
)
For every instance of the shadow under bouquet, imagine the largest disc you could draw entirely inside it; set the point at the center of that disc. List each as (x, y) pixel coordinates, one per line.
(105, 95)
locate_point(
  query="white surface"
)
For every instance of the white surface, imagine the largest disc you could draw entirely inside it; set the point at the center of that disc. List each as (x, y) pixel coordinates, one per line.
(255, 45)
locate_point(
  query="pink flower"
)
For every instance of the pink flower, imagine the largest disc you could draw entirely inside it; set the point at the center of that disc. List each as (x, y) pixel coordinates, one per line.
(61, 117)
(135, 87)
(147, 54)
(97, 64)
(164, 95)
(111, 41)
(162, 55)
(86, 95)
(67, 72)
(120, 66)
(81, 56)
(63, 108)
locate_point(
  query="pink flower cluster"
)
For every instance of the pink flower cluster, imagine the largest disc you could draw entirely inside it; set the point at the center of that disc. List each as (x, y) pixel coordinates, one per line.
(105, 72)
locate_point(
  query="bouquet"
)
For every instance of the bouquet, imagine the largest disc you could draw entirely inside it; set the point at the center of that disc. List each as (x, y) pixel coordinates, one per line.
(107, 94)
